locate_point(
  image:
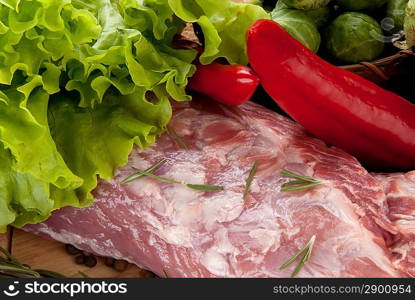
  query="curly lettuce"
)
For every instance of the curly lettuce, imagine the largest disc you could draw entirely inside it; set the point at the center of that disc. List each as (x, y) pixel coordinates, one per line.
(224, 25)
(75, 82)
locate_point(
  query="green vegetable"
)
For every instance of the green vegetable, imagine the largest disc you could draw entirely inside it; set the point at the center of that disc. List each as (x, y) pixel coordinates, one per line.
(306, 4)
(396, 11)
(409, 23)
(280, 5)
(224, 25)
(320, 16)
(361, 4)
(259, 2)
(354, 37)
(75, 79)
(299, 26)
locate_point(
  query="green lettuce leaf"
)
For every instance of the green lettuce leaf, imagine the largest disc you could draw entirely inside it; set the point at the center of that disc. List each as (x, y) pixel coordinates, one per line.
(224, 24)
(23, 197)
(76, 77)
(96, 142)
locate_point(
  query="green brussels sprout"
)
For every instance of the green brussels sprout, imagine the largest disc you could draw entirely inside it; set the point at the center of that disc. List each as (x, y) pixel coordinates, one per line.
(320, 16)
(361, 4)
(306, 4)
(409, 23)
(396, 11)
(249, 1)
(280, 5)
(354, 37)
(299, 26)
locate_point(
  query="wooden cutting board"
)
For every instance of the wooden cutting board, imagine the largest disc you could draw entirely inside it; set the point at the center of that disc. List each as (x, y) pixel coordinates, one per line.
(4, 240)
(40, 253)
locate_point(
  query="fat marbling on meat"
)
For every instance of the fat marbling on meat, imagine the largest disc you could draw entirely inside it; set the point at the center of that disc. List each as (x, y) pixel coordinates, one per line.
(187, 233)
(400, 196)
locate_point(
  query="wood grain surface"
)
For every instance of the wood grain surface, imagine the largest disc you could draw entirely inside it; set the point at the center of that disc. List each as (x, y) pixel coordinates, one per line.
(4, 240)
(40, 253)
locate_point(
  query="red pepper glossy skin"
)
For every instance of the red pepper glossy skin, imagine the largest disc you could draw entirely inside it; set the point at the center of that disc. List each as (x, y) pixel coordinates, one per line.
(341, 108)
(228, 84)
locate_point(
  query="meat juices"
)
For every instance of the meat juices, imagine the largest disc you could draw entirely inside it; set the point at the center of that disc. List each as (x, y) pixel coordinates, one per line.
(187, 233)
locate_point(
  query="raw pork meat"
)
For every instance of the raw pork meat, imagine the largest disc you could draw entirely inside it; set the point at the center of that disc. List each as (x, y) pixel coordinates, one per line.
(187, 233)
(400, 196)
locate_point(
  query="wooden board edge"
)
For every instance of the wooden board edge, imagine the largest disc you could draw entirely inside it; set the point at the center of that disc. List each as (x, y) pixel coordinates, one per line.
(5, 239)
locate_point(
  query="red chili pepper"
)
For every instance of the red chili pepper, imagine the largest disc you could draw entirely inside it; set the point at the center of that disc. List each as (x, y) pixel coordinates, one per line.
(228, 84)
(342, 108)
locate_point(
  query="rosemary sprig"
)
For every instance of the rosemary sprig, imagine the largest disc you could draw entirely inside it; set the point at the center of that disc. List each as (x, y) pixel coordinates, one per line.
(49, 274)
(148, 173)
(83, 274)
(9, 256)
(144, 173)
(138, 175)
(10, 267)
(250, 179)
(306, 254)
(20, 271)
(199, 187)
(204, 187)
(177, 138)
(300, 182)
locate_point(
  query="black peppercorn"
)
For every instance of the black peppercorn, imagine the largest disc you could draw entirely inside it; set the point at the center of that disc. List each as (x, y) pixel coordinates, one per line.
(90, 261)
(71, 249)
(80, 259)
(120, 265)
(109, 261)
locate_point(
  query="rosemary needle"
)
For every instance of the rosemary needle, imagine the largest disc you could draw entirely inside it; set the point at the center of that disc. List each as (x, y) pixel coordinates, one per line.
(306, 254)
(250, 178)
(148, 173)
(199, 187)
(83, 274)
(299, 183)
(10, 267)
(151, 175)
(203, 187)
(49, 274)
(15, 271)
(138, 175)
(9, 256)
(177, 138)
